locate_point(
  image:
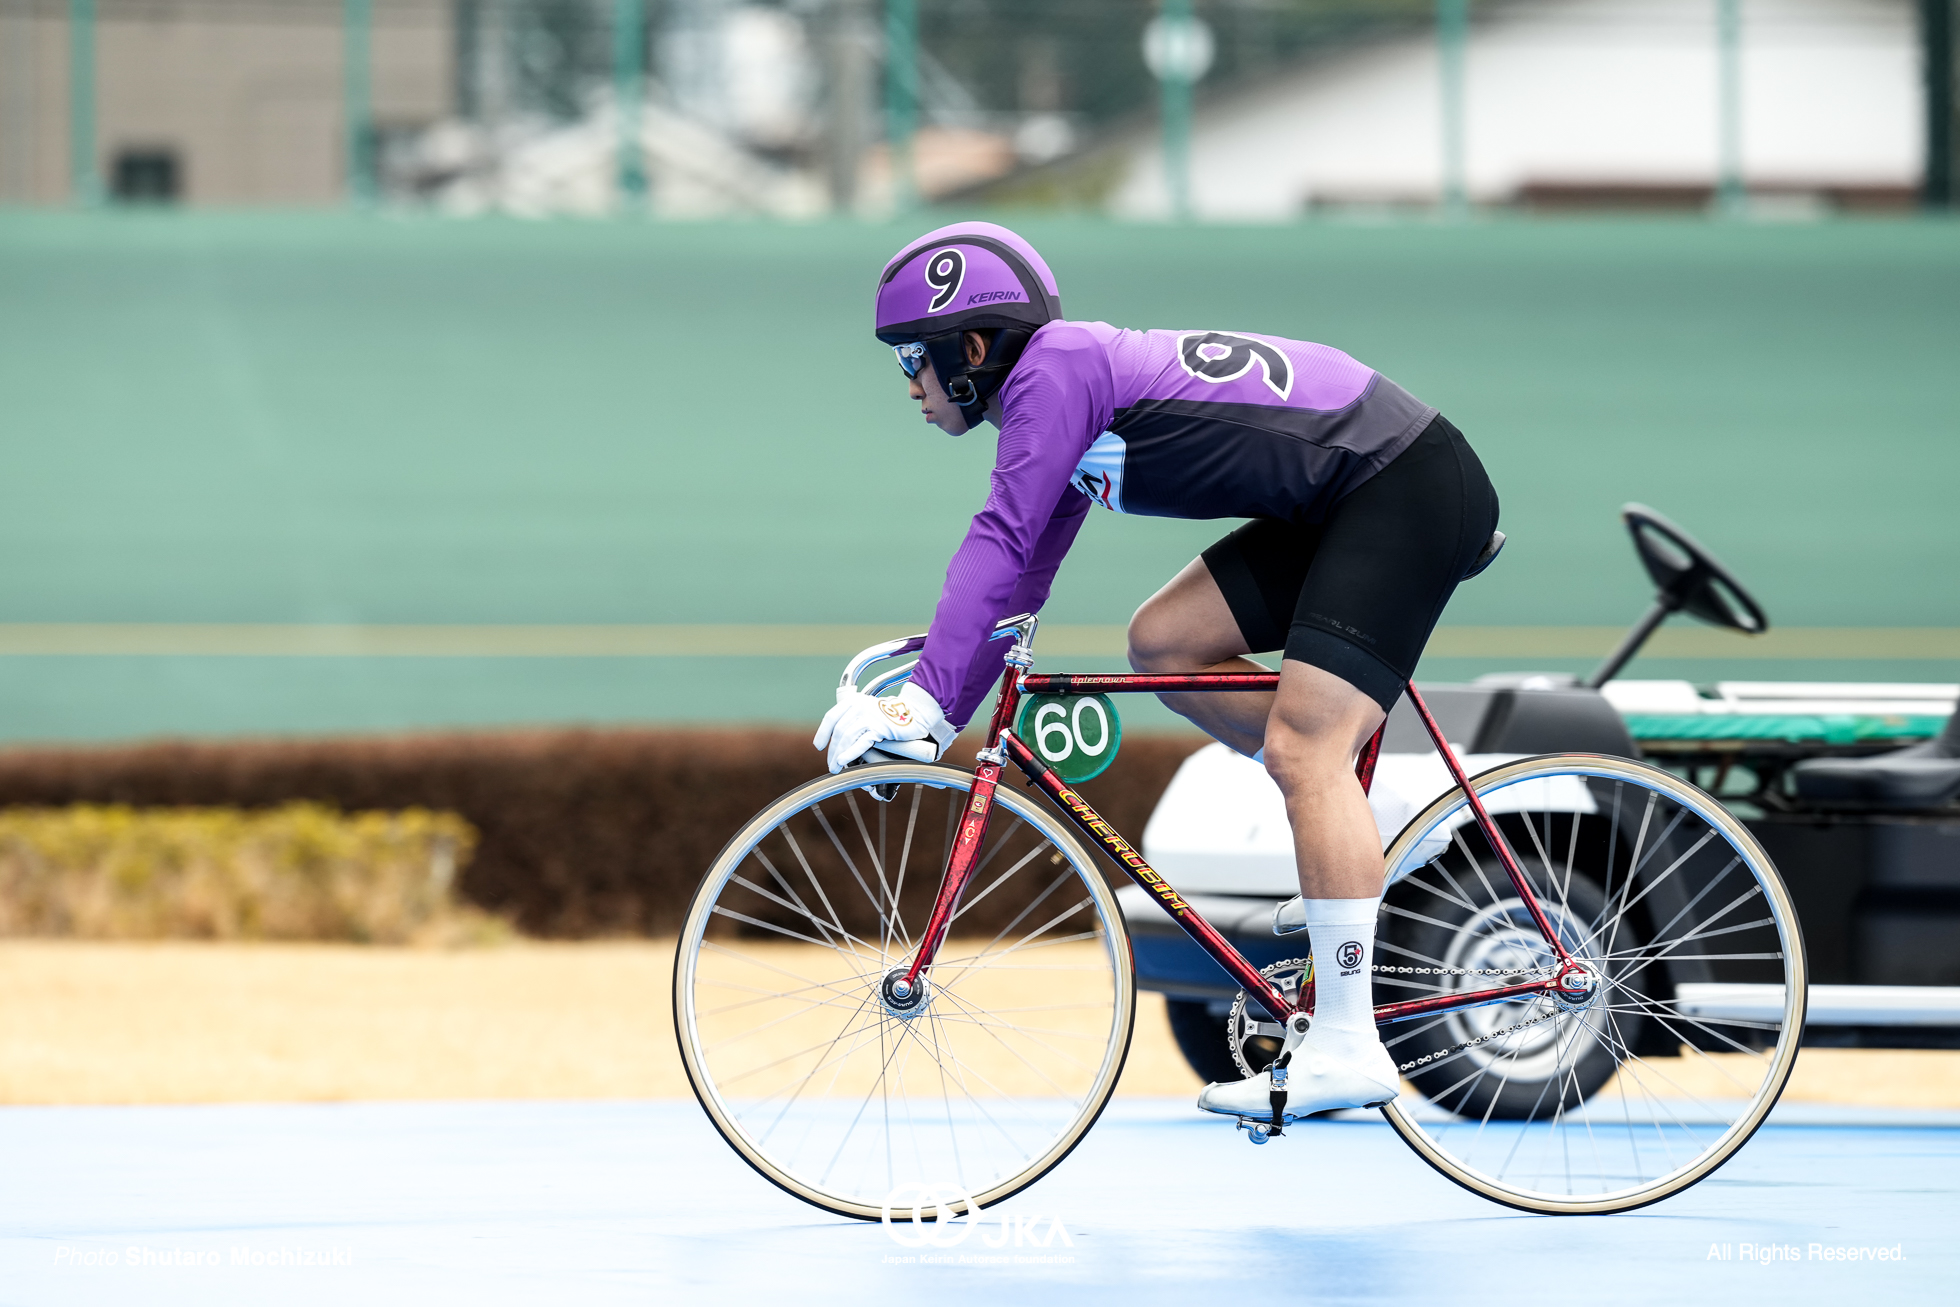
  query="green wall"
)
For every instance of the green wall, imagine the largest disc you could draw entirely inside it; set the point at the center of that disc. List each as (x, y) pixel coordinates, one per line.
(344, 419)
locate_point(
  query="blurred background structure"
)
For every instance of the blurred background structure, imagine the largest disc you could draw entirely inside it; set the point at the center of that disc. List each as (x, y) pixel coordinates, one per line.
(274, 473)
(1224, 109)
(292, 447)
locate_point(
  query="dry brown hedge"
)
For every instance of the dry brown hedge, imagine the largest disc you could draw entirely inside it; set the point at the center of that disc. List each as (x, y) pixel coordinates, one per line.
(582, 832)
(297, 871)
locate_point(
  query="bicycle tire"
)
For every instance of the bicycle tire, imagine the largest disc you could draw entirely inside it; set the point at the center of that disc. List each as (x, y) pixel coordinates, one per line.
(807, 917)
(1694, 915)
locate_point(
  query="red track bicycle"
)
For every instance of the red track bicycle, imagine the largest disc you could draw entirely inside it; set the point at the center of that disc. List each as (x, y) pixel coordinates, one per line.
(1589, 973)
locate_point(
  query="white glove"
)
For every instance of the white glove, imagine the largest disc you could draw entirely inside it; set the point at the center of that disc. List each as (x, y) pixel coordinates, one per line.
(908, 724)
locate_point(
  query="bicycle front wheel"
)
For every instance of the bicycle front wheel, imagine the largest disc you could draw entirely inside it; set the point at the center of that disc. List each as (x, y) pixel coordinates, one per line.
(861, 1103)
(1660, 1064)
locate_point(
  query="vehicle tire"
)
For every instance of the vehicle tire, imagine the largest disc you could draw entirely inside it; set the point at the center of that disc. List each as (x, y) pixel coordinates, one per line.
(827, 1087)
(1692, 945)
(1200, 1036)
(1468, 925)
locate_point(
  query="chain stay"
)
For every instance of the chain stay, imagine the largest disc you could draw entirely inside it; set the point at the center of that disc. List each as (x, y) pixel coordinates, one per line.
(1462, 971)
(1236, 1024)
(1439, 1055)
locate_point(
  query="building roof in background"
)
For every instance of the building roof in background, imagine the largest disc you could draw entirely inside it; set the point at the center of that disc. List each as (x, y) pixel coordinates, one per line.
(1564, 100)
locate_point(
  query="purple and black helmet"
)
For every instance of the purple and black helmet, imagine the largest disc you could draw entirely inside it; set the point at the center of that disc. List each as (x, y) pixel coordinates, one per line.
(971, 276)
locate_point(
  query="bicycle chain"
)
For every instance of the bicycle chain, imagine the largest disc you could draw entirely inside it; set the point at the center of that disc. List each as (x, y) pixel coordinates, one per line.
(1472, 1043)
(1458, 971)
(1465, 971)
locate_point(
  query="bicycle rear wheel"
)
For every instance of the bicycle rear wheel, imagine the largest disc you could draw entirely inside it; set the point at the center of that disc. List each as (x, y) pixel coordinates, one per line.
(1649, 1078)
(845, 1097)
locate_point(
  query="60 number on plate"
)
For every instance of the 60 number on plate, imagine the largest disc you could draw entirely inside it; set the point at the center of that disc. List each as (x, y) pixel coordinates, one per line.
(1075, 734)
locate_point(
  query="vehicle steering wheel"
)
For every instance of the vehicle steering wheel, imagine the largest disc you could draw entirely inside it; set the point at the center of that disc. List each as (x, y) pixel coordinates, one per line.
(1687, 578)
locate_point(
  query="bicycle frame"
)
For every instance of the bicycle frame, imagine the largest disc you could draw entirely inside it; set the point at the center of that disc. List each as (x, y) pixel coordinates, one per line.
(1003, 746)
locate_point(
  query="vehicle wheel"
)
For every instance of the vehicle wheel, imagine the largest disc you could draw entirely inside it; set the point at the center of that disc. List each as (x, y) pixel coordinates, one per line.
(1446, 912)
(1692, 944)
(1200, 1036)
(845, 1097)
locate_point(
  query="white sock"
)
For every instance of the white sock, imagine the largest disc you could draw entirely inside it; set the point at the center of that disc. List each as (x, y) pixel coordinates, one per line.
(1343, 935)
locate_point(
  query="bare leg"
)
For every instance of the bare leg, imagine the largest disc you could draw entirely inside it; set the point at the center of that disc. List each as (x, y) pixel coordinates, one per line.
(1187, 627)
(1317, 725)
(1311, 730)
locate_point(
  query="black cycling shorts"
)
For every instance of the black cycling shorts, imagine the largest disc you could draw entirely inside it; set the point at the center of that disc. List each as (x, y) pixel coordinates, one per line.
(1358, 594)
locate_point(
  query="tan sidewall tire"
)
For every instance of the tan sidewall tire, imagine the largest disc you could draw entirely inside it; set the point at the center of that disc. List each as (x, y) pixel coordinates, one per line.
(952, 778)
(1794, 995)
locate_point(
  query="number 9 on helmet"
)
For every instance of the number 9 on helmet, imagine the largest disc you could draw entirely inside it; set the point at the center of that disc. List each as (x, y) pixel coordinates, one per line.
(971, 276)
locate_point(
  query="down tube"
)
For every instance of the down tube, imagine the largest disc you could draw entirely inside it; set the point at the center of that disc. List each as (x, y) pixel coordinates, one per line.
(1120, 851)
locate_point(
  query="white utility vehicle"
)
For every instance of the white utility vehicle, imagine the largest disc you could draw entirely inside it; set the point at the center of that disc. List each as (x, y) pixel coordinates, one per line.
(1853, 789)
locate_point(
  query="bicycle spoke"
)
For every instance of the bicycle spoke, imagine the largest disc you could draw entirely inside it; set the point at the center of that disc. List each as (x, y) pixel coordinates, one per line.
(758, 922)
(816, 1068)
(968, 904)
(815, 920)
(1650, 885)
(877, 905)
(877, 860)
(905, 858)
(830, 923)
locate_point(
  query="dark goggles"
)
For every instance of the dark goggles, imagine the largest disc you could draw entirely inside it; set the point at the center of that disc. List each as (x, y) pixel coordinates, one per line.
(911, 357)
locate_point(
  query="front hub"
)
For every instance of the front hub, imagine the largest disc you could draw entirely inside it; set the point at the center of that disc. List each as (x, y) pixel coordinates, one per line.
(904, 999)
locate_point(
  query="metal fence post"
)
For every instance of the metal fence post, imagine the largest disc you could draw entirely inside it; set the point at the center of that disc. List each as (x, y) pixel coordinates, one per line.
(84, 168)
(853, 96)
(1176, 88)
(1452, 35)
(629, 85)
(1730, 195)
(1936, 39)
(902, 97)
(357, 22)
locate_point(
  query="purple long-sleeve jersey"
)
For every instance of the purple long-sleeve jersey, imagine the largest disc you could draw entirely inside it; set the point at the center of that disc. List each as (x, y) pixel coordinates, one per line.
(1192, 424)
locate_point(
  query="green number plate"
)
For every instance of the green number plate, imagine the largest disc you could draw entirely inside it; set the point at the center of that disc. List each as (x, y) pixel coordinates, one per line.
(1075, 734)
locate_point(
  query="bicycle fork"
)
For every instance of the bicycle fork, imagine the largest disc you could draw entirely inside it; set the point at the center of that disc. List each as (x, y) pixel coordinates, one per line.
(973, 822)
(959, 870)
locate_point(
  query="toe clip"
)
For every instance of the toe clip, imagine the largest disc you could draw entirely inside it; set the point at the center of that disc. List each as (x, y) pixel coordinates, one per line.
(1278, 1095)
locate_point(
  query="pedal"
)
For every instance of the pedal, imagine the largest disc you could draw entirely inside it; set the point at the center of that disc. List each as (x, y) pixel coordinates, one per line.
(1259, 1130)
(1256, 1130)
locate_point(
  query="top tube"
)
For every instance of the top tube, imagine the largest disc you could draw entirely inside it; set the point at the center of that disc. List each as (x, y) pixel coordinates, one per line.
(1146, 682)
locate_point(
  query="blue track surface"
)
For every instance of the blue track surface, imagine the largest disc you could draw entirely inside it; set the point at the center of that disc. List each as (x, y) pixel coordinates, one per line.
(640, 1203)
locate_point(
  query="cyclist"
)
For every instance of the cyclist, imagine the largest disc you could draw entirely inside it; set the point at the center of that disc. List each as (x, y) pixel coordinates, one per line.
(1366, 506)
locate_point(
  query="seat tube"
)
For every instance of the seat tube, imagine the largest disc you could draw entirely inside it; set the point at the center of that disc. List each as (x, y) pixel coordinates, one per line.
(1371, 752)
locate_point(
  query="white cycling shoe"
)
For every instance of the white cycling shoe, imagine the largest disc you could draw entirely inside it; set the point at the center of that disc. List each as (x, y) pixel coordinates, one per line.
(1315, 1082)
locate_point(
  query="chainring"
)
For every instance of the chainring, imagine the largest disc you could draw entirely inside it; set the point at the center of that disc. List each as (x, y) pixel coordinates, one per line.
(1255, 1043)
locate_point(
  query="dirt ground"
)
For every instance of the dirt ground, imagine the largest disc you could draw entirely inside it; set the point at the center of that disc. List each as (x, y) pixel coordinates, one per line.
(209, 1023)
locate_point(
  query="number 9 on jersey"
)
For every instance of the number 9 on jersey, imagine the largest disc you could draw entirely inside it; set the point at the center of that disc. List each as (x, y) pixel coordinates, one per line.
(1075, 734)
